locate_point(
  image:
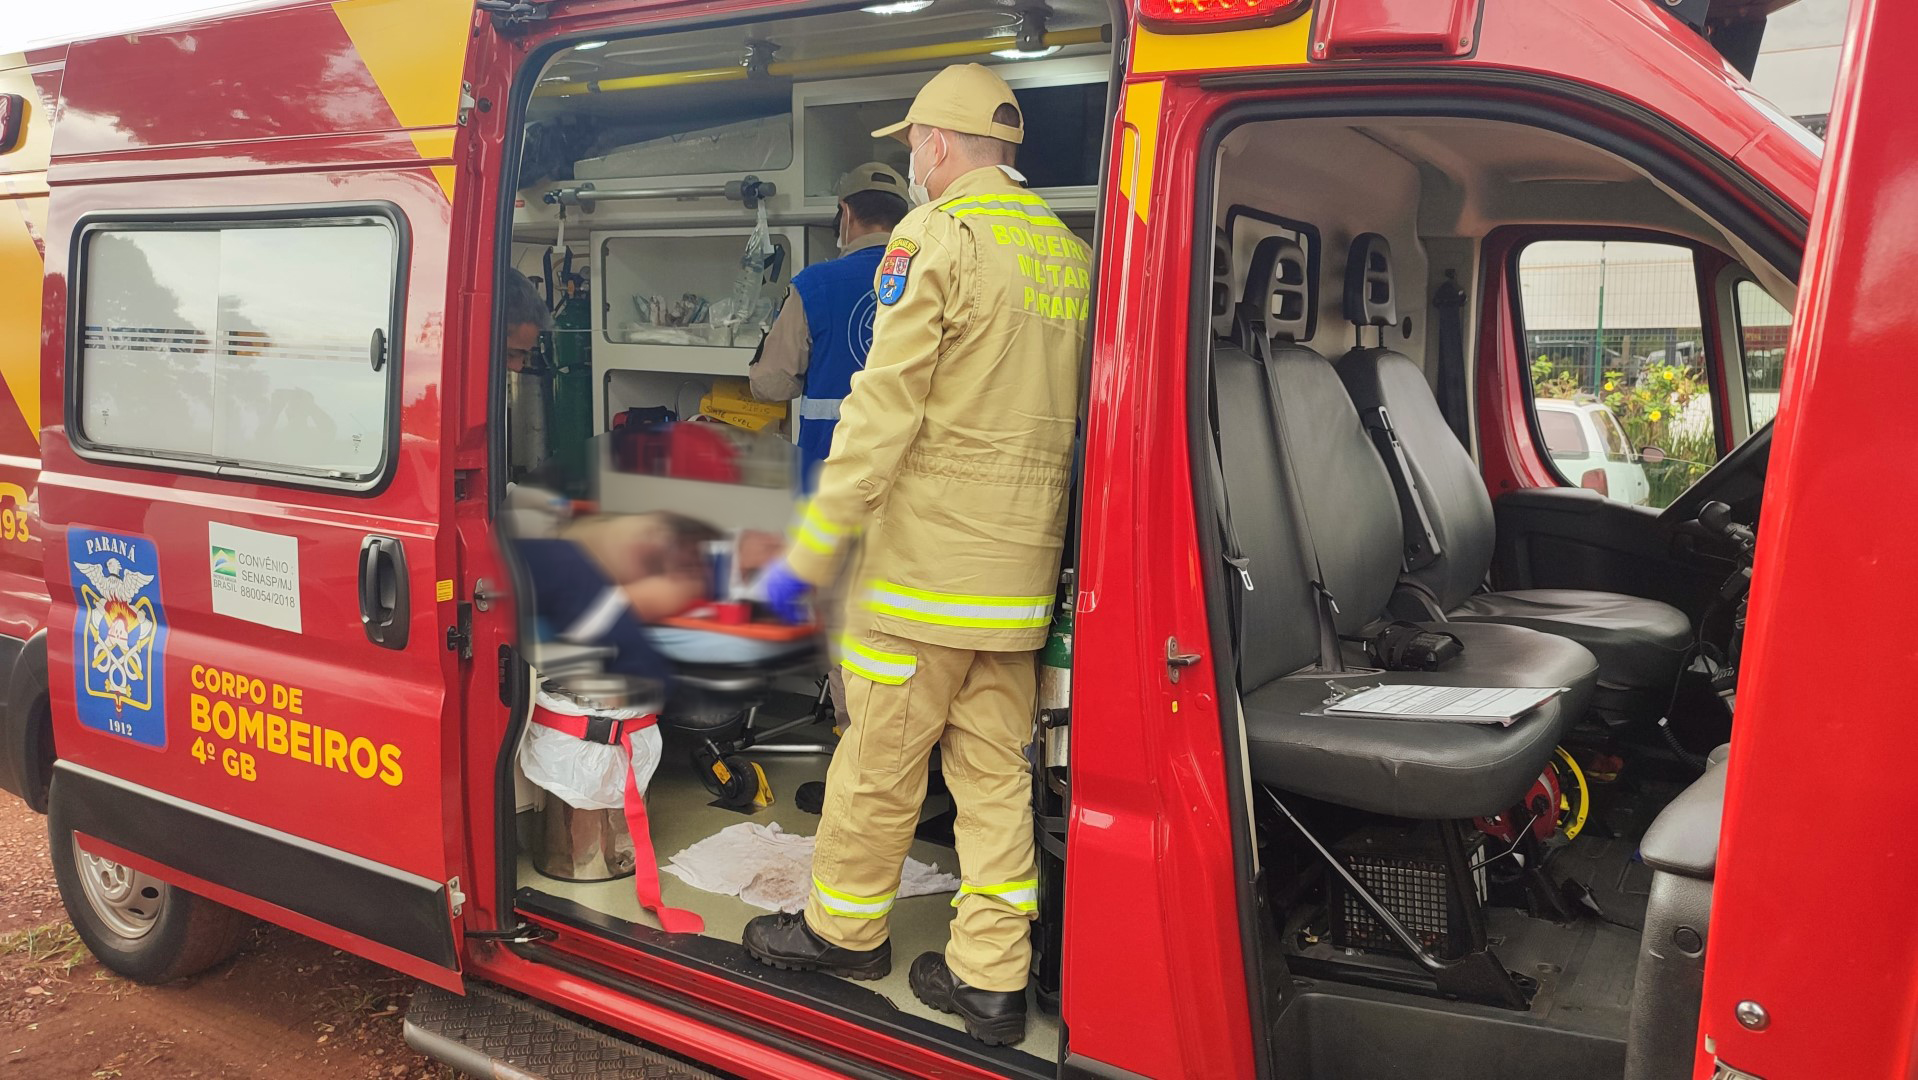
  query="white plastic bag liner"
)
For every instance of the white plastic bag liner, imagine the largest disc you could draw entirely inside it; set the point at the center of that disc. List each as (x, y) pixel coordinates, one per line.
(762, 145)
(588, 775)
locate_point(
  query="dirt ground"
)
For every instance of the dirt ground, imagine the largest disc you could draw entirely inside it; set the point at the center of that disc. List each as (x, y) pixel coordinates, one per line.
(285, 1007)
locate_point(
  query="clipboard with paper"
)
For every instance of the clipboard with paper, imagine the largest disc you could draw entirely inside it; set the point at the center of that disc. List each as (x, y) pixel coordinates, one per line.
(1498, 705)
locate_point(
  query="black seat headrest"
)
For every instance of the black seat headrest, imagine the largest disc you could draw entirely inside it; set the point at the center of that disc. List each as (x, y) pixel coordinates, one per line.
(1224, 311)
(1278, 292)
(1370, 298)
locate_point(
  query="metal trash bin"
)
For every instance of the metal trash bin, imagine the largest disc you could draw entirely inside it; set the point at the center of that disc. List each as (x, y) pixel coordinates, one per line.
(581, 845)
(584, 845)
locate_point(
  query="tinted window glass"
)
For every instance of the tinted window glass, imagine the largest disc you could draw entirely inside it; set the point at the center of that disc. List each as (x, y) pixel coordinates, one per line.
(243, 346)
(1764, 332)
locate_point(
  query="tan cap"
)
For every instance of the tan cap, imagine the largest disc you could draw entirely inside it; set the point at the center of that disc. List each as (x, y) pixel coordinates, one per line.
(872, 176)
(961, 98)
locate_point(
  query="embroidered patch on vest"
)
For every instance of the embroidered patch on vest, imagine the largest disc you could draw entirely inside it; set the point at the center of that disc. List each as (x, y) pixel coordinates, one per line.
(893, 269)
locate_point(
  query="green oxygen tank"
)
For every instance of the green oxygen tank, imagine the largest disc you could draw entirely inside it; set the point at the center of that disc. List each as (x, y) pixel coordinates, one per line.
(1055, 678)
(1052, 795)
(571, 431)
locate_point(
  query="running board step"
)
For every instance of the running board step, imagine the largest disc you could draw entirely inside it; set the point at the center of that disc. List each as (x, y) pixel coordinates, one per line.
(491, 1035)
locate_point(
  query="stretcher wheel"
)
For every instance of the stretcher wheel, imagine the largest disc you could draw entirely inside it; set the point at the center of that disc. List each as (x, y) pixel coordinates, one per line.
(731, 779)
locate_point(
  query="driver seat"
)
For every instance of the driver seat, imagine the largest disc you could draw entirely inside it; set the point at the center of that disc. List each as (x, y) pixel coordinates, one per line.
(1640, 644)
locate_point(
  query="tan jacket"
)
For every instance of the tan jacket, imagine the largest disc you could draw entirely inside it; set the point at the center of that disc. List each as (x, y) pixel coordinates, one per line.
(953, 451)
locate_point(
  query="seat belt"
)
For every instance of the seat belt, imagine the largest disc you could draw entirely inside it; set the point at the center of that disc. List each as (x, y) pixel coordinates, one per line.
(1421, 540)
(1324, 607)
(1228, 535)
(1449, 301)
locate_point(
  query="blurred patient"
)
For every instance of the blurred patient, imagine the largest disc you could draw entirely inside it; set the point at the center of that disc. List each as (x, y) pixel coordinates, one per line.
(602, 579)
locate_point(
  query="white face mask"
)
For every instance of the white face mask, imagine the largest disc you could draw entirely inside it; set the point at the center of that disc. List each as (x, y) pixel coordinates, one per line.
(916, 192)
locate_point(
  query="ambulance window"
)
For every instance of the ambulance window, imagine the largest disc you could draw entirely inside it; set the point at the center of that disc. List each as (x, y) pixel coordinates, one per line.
(247, 347)
(1764, 331)
(1066, 126)
(1614, 339)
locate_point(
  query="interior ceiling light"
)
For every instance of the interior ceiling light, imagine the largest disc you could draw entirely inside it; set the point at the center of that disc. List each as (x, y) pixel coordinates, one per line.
(898, 7)
(589, 46)
(1030, 40)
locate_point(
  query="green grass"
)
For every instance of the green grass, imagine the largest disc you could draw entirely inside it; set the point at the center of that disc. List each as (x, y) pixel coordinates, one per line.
(55, 947)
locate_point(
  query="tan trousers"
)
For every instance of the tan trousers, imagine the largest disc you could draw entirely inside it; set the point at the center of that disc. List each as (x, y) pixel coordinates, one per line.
(906, 697)
(829, 603)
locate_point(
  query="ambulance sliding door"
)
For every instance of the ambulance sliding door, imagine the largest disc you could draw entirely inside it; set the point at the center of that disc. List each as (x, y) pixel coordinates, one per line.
(249, 554)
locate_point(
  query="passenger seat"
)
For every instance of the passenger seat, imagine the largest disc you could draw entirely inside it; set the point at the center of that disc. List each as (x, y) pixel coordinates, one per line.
(1429, 771)
(1640, 644)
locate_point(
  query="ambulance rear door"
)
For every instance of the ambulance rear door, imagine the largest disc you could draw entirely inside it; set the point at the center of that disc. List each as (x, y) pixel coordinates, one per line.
(1820, 738)
(247, 494)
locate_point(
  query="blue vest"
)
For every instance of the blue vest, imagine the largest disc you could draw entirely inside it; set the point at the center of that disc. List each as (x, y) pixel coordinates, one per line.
(839, 306)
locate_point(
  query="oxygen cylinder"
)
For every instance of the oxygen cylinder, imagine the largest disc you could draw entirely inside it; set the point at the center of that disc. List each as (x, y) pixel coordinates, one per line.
(1050, 795)
(1055, 677)
(571, 430)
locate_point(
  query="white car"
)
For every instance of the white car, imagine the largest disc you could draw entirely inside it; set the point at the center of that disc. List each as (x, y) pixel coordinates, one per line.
(1589, 447)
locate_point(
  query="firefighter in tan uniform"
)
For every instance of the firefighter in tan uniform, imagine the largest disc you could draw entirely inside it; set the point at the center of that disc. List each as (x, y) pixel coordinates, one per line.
(951, 462)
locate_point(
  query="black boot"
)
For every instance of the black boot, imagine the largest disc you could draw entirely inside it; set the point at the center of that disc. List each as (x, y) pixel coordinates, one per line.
(994, 1017)
(785, 941)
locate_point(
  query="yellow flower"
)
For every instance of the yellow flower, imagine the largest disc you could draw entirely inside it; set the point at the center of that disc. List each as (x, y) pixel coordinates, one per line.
(1654, 416)
(1670, 374)
(1608, 386)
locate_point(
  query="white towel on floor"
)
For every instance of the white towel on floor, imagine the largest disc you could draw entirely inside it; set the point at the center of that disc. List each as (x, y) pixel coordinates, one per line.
(770, 868)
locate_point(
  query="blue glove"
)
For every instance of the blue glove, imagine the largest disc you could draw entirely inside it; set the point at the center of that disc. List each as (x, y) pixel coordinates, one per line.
(785, 593)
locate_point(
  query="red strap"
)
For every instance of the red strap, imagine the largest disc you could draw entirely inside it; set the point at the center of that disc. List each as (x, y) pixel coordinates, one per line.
(646, 866)
(645, 861)
(579, 727)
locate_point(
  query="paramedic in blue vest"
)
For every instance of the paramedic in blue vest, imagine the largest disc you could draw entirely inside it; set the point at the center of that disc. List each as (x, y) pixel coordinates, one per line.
(821, 340)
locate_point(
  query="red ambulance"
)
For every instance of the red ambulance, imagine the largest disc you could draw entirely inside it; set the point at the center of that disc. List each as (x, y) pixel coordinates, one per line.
(263, 654)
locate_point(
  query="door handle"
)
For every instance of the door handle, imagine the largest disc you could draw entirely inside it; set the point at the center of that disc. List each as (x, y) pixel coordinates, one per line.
(384, 607)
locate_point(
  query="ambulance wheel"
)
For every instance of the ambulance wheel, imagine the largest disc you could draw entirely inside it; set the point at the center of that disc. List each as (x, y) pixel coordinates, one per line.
(139, 926)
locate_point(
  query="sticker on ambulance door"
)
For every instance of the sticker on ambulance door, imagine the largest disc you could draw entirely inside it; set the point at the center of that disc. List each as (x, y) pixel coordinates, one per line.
(119, 638)
(255, 575)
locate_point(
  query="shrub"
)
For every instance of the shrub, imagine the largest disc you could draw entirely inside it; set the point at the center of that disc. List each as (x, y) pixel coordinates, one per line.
(1653, 411)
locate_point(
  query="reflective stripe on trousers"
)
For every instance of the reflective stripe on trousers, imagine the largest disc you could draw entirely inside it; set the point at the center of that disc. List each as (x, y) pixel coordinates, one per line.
(848, 906)
(881, 667)
(960, 609)
(1022, 895)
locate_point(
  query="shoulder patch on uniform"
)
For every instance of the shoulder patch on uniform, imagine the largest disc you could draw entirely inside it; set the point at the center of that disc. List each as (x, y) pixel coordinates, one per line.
(893, 269)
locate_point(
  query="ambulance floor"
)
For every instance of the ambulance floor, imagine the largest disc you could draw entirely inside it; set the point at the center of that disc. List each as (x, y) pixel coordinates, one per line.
(682, 815)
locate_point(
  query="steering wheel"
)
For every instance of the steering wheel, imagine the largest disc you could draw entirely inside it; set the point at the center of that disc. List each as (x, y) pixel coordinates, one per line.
(1736, 478)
